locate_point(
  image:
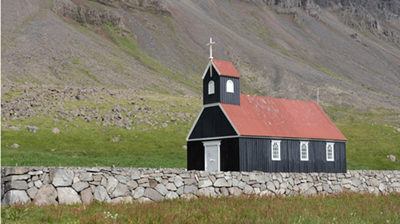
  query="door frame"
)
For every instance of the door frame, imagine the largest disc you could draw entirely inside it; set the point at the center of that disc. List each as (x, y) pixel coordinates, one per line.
(212, 143)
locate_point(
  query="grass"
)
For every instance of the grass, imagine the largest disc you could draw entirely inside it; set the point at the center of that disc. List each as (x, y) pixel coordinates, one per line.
(342, 208)
(81, 143)
(371, 134)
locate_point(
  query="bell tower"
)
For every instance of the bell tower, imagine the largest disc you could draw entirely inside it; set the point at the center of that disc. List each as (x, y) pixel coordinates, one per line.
(220, 82)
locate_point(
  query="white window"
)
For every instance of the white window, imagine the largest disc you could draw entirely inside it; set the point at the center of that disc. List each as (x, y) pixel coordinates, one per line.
(229, 86)
(211, 87)
(304, 151)
(330, 152)
(276, 149)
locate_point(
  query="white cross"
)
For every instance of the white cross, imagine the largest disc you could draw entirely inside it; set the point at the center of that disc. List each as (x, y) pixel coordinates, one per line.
(210, 44)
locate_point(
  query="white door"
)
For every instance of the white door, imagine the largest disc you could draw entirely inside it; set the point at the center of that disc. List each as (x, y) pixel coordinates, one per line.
(211, 155)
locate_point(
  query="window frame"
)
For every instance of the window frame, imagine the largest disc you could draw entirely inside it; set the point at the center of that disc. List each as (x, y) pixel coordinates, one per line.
(278, 142)
(301, 152)
(211, 86)
(230, 86)
(333, 151)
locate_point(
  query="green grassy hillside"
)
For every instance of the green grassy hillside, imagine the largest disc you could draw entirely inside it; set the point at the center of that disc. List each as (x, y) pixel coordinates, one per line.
(156, 137)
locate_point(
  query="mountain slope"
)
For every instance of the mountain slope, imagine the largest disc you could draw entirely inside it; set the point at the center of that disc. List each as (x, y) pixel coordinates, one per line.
(349, 49)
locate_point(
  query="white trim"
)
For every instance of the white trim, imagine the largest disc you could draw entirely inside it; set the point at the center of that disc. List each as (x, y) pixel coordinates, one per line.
(208, 66)
(299, 139)
(212, 143)
(264, 137)
(230, 86)
(333, 151)
(212, 138)
(211, 87)
(301, 154)
(278, 142)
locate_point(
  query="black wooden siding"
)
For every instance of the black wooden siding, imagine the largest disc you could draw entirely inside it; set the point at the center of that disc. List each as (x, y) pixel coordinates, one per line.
(230, 98)
(220, 95)
(255, 154)
(212, 123)
(213, 98)
(229, 155)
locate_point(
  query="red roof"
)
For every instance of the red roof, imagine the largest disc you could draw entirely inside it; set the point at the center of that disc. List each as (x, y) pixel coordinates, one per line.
(226, 68)
(273, 117)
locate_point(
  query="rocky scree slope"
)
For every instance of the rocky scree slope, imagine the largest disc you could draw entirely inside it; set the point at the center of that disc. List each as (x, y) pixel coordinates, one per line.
(349, 49)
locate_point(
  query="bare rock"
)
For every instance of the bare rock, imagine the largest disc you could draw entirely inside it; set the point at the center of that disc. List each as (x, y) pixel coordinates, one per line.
(161, 189)
(15, 170)
(79, 186)
(55, 131)
(46, 195)
(16, 185)
(235, 191)
(120, 191)
(221, 182)
(153, 194)
(87, 196)
(63, 178)
(15, 145)
(111, 184)
(139, 192)
(15, 196)
(33, 129)
(67, 195)
(32, 192)
(100, 194)
(171, 196)
(392, 157)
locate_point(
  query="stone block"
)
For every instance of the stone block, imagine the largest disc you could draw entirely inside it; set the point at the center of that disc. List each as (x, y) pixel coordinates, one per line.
(235, 191)
(38, 183)
(15, 196)
(153, 194)
(86, 177)
(208, 192)
(46, 195)
(178, 182)
(112, 183)
(139, 192)
(32, 192)
(63, 178)
(122, 179)
(15, 170)
(87, 196)
(190, 189)
(171, 187)
(221, 182)
(161, 189)
(171, 196)
(135, 174)
(100, 194)
(132, 184)
(248, 190)
(16, 185)
(67, 195)
(224, 191)
(205, 183)
(78, 187)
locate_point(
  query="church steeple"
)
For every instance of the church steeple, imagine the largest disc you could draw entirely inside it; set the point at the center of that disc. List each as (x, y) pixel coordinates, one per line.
(220, 82)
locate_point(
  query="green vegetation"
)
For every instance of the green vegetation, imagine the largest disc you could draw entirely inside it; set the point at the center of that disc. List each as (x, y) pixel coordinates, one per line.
(372, 133)
(343, 208)
(82, 143)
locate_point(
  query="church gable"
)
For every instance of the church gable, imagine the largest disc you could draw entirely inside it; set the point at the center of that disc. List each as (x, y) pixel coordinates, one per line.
(211, 123)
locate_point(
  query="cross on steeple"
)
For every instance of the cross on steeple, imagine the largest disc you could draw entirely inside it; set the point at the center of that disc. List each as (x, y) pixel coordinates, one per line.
(210, 44)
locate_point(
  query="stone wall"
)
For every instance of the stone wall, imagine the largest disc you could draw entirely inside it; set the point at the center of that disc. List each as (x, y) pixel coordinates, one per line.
(43, 185)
